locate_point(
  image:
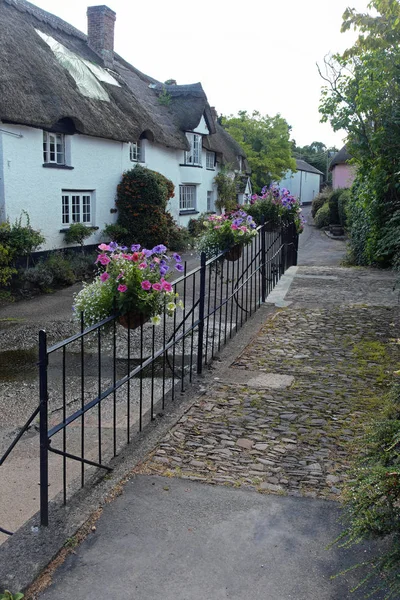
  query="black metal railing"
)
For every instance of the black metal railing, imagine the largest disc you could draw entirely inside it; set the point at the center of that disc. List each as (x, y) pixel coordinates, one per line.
(103, 385)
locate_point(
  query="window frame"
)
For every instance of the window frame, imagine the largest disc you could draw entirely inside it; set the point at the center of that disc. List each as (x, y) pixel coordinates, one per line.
(210, 160)
(136, 151)
(196, 148)
(49, 139)
(81, 203)
(210, 201)
(183, 188)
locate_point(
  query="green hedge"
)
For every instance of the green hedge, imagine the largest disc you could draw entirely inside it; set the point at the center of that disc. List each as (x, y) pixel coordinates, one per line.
(322, 217)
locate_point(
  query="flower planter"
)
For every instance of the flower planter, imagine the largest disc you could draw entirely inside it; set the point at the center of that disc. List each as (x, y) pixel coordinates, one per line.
(234, 253)
(132, 320)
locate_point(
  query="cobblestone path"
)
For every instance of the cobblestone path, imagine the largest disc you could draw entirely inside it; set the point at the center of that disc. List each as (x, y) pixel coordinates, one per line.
(284, 416)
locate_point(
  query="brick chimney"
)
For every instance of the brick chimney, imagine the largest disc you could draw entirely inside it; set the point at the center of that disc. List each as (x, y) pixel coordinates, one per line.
(101, 21)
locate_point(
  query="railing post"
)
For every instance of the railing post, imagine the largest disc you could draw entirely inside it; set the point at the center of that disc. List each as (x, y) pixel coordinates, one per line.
(282, 265)
(263, 261)
(202, 299)
(295, 245)
(44, 442)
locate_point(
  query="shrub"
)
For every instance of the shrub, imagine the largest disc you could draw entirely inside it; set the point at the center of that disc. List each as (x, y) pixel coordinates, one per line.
(343, 202)
(372, 496)
(60, 268)
(196, 226)
(20, 240)
(40, 276)
(319, 201)
(142, 198)
(321, 219)
(6, 269)
(333, 202)
(77, 233)
(82, 265)
(114, 232)
(226, 190)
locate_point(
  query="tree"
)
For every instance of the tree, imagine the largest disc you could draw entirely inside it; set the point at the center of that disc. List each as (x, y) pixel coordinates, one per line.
(316, 154)
(266, 143)
(362, 96)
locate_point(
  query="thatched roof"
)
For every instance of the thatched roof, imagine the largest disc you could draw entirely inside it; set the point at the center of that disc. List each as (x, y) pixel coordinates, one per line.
(37, 90)
(224, 145)
(302, 165)
(340, 158)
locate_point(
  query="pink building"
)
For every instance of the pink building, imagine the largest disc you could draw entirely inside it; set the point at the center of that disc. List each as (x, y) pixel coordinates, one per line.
(343, 174)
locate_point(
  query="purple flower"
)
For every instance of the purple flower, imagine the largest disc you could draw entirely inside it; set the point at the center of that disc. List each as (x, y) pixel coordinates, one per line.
(147, 253)
(179, 268)
(123, 248)
(163, 270)
(177, 257)
(113, 246)
(159, 249)
(135, 247)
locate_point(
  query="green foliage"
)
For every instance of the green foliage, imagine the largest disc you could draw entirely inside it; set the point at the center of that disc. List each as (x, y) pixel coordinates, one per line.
(60, 268)
(318, 155)
(196, 226)
(164, 98)
(222, 232)
(20, 240)
(265, 141)
(142, 198)
(114, 232)
(372, 496)
(39, 276)
(388, 247)
(319, 200)
(6, 268)
(343, 203)
(333, 202)
(77, 233)
(6, 595)
(321, 219)
(226, 191)
(264, 208)
(362, 96)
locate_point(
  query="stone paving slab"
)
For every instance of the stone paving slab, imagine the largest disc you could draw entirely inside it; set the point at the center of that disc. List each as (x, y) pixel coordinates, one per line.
(285, 416)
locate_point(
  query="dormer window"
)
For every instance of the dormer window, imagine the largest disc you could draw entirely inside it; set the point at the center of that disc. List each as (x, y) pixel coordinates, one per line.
(136, 151)
(53, 148)
(193, 156)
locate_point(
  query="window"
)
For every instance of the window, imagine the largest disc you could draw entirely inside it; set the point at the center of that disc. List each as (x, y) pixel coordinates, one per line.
(76, 207)
(187, 197)
(193, 156)
(136, 151)
(53, 148)
(210, 202)
(210, 160)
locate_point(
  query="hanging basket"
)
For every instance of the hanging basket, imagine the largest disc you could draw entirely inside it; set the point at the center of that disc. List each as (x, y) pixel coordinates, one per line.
(234, 253)
(132, 320)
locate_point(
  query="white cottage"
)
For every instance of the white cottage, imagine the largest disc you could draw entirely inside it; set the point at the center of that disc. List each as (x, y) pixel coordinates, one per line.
(305, 183)
(74, 116)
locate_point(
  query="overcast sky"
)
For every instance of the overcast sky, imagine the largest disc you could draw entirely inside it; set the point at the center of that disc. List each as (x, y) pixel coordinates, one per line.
(249, 55)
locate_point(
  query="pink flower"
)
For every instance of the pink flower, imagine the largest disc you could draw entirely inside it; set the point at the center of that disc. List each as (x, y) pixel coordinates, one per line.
(142, 265)
(166, 286)
(103, 259)
(104, 276)
(104, 247)
(146, 285)
(157, 287)
(157, 260)
(127, 256)
(244, 228)
(135, 257)
(122, 288)
(120, 275)
(233, 226)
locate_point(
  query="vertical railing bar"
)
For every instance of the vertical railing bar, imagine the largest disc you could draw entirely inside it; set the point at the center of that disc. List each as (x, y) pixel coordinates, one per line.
(164, 361)
(114, 391)
(99, 375)
(227, 303)
(192, 329)
(141, 377)
(200, 343)
(44, 455)
(82, 400)
(173, 359)
(221, 292)
(64, 434)
(153, 338)
(128, 391)
(184, 331)
(208, 311)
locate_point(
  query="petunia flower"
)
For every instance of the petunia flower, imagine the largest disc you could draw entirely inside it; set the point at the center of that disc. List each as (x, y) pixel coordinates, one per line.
(104, 247)
(146, 285)
(156, 320)
(177, 257)
(167, 287)
(104, 276)
(179, 268)
(157, 287)
(159, 249)
(122, 288)
(135, 247)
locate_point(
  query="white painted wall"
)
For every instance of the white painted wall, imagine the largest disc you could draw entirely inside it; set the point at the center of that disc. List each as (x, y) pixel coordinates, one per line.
(98, 166)
(302, 184)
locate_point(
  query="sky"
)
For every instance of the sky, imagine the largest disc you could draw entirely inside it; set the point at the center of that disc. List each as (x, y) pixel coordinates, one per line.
(253, 55)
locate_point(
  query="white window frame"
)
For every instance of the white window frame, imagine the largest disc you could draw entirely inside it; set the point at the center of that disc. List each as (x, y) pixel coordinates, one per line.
(136, 151)
(77, 207)
(193, 156)
(187, 197)
(210, 160)
(53, 148)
